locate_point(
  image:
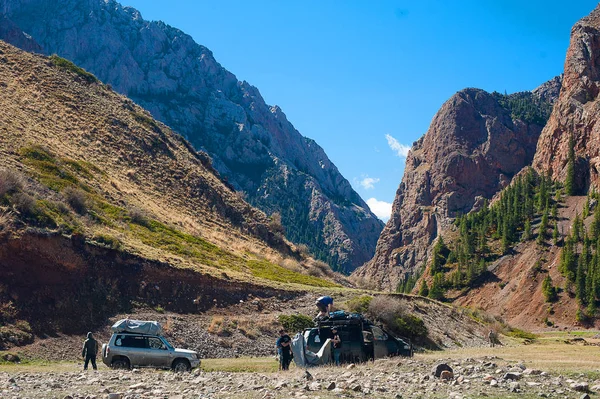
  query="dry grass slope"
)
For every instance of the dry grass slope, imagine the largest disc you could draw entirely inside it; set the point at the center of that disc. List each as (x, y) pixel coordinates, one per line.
(85, 161)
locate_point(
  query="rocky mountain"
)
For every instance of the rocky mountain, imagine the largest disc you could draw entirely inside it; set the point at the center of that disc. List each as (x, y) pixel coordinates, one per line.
(576, 112)
(476, 143)
(252, 144)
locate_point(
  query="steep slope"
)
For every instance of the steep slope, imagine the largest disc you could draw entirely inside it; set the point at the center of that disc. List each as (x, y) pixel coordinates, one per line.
(575, 115)
(102, 207)
(476, 143)
(252, 144)
(576, 111)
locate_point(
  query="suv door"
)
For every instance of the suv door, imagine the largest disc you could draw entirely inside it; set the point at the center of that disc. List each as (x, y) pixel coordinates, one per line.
(380, 338)
(132, 346)
(157, 353)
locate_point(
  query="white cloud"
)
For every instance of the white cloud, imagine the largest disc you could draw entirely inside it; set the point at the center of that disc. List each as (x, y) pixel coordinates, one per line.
(368, 183)
(401, 150)
(381, 209)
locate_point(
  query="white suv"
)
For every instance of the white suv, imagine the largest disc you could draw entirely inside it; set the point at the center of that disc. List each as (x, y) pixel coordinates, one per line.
(126, 350)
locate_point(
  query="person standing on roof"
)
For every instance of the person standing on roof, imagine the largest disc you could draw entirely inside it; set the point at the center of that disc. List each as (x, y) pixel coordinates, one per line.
(89, 351)
(324, 305)
(284, 349)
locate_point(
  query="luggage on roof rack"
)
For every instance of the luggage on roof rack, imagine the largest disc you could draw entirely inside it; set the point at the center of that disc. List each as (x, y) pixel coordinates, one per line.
(137, 326)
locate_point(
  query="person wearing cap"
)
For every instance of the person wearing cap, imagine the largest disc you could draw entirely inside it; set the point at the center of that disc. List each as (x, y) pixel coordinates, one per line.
(89, 351)
(284, 349)
(337, 345)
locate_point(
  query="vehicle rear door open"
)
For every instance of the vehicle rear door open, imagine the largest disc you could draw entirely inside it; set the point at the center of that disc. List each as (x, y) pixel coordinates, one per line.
(380, 338)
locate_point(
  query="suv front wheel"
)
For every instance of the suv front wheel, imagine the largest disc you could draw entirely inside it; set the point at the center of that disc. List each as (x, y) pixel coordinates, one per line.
(181, 365)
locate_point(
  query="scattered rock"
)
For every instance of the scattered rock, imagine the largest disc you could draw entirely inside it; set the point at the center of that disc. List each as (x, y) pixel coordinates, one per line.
(331, 386)
(446, 375)
(580, 386)
(512, 376)
(585, 396)
(350, 366)
(493, 383)
(438, 368)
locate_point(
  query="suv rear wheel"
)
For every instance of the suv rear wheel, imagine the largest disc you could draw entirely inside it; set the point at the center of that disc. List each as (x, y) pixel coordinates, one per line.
(120, 364)
(181, 365)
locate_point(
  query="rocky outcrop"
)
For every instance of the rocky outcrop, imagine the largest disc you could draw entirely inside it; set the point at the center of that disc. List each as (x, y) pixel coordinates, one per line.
(473, 148)
(253, 145)
(576, 111)
(550, 90)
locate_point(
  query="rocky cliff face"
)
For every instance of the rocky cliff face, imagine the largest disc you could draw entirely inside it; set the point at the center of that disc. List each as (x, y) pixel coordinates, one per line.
(253, 145)
(476, 143)
(576, 111)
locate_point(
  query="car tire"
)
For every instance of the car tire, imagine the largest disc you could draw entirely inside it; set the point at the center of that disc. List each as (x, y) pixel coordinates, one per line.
(120, 364)
(181, 366)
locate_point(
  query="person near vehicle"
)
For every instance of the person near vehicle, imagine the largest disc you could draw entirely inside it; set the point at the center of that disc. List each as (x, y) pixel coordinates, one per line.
(337, 345)
(324, 305)
(284, 349)
(89, 351)
(492, 338)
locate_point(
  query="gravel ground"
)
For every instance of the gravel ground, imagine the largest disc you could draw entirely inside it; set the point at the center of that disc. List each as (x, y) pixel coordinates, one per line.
(387, 378)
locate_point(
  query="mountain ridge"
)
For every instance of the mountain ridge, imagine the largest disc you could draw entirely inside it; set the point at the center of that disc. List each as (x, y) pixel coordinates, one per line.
(181, 84)
(476, 143)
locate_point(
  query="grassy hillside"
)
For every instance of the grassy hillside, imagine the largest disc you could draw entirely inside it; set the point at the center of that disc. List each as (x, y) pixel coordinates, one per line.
(79, 160)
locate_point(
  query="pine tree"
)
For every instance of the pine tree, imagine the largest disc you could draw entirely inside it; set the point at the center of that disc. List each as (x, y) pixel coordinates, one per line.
(424, 289)
(437, 287)
(549, 290)
(580, 293)
(555, 233)
(543, 228)
(570, 179)
(527, 232)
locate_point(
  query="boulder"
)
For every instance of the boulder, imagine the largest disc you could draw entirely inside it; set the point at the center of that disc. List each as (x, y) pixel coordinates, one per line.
(513, 376)
(446, 375)
(436, 371)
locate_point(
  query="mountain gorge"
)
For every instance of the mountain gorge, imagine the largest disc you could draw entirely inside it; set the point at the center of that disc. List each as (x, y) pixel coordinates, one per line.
(476, 143)
(251, 144)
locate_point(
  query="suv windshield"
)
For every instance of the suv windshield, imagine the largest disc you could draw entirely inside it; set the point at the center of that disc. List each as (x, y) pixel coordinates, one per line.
(169, 346)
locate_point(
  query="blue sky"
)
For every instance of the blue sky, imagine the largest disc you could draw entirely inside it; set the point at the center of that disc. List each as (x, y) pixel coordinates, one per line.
(365, 78)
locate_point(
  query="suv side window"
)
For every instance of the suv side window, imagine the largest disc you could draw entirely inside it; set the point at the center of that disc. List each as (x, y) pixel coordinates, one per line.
(156, 343)
(132, 341)
(378, 334)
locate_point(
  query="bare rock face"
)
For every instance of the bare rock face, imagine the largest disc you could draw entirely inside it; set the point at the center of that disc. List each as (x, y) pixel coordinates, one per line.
(576, 111)
(472, 150)
(252, 144)
(550, 90)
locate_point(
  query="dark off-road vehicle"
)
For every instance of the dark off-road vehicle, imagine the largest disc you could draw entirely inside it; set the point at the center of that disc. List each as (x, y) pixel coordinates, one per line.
(361, 339)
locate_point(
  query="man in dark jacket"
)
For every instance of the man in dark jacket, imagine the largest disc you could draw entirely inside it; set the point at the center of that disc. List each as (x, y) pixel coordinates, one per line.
(284, 350)
(89, 351)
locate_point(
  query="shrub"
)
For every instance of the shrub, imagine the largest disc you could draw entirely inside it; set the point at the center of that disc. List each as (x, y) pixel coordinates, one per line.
(386, 309)
(410, 326)
(76, 199)
(139, 216)
(424, 289)
(24, 204)
(68, 65)
(295, 322)
(219, 326)
(10, 182)
(109, 241)
(518, 333)
(275, 223)
(360, 304)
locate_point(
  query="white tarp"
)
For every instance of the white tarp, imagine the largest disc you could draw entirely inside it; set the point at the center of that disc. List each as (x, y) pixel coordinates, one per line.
(137, 326)
(304, 358)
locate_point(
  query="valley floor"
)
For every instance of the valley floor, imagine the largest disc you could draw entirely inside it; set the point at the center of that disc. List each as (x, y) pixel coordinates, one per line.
(555, 366)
